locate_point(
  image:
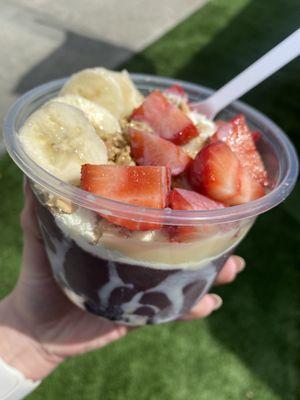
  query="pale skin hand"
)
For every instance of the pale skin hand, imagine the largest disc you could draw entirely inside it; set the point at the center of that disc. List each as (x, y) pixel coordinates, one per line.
(40, 327)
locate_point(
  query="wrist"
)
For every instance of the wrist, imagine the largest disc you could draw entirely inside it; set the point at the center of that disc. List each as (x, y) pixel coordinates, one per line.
(19, 347)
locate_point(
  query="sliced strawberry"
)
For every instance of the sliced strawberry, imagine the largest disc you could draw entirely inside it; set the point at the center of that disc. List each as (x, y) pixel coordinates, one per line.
(165, 119)
(224, 129)
(181, 199)
(215, 172)
(149, 149)
(141, 186)
(243, 145)
(177, 92)
(250, 189)
(238, 136)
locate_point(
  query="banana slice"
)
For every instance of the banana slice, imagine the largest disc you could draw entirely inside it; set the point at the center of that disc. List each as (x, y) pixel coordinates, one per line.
(132, 97)
(102, 120)
(59, 138)
(112, 90)
(98, 85)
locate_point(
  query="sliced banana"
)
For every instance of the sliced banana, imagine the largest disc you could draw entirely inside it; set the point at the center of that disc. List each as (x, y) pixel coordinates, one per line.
(98, 85)
(112, 90)
(102, 120)
(59, 138)
(132, 97)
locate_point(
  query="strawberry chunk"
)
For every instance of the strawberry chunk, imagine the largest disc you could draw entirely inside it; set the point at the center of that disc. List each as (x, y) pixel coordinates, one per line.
(165, 119)
(149, 149)
(238, 136)
(215, 172)
(243, 145)
(224, 129)
(141, 186)
(249, 190)
(181, 199)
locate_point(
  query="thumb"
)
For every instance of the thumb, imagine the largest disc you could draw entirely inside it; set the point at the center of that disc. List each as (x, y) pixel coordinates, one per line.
(29, 223)
(35, 262)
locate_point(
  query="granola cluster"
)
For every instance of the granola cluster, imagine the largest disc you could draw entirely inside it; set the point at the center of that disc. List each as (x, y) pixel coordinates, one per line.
(118, 148)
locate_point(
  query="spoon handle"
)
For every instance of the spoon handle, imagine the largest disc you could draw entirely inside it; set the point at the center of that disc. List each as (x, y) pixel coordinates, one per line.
(265, 66)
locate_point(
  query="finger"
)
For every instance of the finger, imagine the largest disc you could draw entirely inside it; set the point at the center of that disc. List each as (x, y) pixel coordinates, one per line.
(232, 267)
(208, 304)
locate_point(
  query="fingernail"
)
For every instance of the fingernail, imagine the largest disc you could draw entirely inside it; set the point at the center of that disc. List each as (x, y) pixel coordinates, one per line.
(240, 263)
(217, 301)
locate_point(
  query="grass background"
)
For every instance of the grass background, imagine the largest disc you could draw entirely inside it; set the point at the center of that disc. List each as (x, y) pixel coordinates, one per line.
(250, 348)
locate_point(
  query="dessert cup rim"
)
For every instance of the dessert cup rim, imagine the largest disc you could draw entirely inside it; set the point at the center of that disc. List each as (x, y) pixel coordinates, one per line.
(33, 171)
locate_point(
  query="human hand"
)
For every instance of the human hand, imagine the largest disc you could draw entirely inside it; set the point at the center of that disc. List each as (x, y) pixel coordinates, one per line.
(41, 327)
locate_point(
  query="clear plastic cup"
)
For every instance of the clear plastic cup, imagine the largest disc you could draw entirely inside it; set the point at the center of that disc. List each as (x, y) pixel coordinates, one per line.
(150, 277)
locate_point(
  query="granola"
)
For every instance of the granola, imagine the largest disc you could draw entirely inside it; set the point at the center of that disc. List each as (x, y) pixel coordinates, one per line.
(118, 149)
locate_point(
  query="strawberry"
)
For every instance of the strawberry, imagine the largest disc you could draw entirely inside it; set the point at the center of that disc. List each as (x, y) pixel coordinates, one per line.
(224, 129)
(238, 136)
(217, 172)
(181, 199)
(165, 119)
(250, 189)
(243, 145)
(149, 149)
(141, 186)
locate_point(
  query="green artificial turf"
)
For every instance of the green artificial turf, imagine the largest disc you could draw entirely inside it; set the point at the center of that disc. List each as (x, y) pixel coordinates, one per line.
(250, 348)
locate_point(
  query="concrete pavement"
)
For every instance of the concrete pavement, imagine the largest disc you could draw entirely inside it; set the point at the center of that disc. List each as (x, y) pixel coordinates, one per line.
(46, 39)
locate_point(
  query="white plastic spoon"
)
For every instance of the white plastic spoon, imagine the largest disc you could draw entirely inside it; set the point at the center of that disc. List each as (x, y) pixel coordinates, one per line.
(271, 62)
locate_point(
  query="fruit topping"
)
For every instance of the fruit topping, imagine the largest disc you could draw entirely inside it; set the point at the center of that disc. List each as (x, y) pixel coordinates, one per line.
(239, 138)
(215, 172)
(149, 149)
(249, 190)
(102, 133)
(165, 119)
(181, 199)
(59, 138)
(218, 173)
(146, 186)
(112, 90)
(102, 120)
